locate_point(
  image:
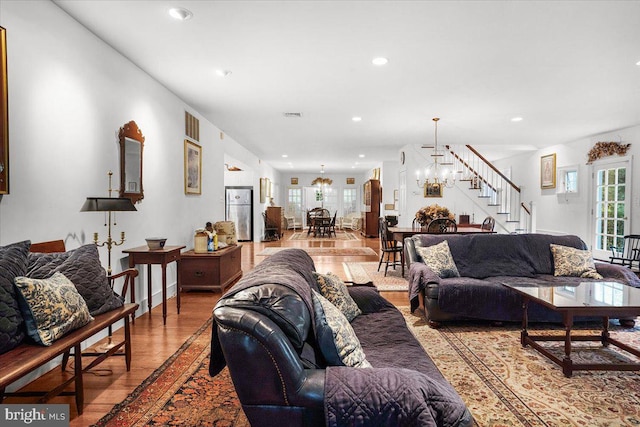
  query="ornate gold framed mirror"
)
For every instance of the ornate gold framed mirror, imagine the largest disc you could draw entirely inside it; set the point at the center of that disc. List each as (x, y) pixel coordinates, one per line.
(131, 149)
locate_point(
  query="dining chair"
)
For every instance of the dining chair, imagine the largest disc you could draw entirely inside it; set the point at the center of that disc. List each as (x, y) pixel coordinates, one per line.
(488, 224)
(442, 225)
(628, 253)
(390, 248)
(270, 230)
(331, 226)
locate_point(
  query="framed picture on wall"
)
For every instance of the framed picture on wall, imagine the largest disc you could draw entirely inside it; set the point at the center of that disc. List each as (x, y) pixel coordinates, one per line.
(351, 181)
(433, 190)
(294, 181)
(548, 171)
(192, 168)
(263, 190)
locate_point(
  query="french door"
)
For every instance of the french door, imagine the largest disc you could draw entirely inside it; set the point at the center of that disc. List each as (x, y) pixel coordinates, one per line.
(611, 207)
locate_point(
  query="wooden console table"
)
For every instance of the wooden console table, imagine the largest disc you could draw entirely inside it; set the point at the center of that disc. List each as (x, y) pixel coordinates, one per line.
(212, 270)
(164, 256)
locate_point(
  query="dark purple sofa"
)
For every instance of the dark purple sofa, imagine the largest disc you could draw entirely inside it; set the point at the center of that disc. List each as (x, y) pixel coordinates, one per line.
(485, 262)
(265, 333)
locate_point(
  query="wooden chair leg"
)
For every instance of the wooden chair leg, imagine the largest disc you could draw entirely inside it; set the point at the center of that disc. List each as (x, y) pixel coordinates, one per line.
(380, 263)
(65, 360)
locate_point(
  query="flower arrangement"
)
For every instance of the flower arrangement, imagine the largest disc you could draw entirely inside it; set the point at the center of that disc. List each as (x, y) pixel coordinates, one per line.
(428, 213)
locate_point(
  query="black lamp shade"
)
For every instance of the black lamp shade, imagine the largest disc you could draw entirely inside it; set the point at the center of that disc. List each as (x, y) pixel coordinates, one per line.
(107, 204)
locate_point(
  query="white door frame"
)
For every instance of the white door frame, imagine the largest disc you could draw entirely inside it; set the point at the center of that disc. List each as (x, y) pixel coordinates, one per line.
(610, 162)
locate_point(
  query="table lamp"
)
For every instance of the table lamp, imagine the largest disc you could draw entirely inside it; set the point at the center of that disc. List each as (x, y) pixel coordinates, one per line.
(108, 205)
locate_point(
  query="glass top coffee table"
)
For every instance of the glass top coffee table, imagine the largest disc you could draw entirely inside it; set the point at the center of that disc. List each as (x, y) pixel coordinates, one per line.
(593, 299)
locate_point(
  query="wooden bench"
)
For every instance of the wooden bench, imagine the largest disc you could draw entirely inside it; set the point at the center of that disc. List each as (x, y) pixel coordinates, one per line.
(27, 357)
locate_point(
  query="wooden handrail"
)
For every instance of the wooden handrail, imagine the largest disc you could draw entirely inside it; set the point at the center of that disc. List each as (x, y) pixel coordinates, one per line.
(473, 171)
(481, 157)
(525, 208)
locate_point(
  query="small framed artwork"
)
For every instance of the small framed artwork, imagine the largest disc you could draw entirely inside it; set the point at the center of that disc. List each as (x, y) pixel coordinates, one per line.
(268, 188)
(548, 171)
(351, 181)
(263, 190)
(433, 190)
(192, 168)
(294, 181)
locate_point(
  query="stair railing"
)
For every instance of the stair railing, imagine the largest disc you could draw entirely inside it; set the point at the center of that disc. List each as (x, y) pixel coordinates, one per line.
(492, 184)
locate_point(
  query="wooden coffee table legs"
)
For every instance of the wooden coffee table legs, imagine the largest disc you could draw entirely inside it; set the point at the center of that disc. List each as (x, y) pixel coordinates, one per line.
(567, 364)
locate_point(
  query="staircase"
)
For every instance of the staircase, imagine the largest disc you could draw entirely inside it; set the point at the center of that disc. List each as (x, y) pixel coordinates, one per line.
(489, 189)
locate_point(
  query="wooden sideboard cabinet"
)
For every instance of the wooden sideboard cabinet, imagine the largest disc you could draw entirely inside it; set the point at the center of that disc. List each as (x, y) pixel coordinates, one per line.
(212, 270)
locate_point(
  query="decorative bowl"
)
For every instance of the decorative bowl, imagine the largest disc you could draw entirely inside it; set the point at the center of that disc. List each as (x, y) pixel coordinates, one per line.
(155, 242)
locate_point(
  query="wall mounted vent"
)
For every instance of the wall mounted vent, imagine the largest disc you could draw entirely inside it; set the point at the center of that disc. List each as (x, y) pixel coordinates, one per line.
(294, 115)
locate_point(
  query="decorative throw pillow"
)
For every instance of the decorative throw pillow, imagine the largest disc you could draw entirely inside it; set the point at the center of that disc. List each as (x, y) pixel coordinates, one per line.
(334, 289)
(337, 341)
(438, 258)
(51, 307)
(13, 263)
(82, 266)
(568, 261)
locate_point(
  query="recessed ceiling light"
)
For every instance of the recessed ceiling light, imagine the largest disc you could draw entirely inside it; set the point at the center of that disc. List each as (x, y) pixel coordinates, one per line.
(180, 13)
(380, 61)
(284, 156)
(223, 73)
(516, 119)
(356, 119)
(638, 63)
(361, 155)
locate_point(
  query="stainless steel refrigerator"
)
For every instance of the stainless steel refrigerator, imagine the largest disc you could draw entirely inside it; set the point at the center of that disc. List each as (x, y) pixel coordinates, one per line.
(239, 209)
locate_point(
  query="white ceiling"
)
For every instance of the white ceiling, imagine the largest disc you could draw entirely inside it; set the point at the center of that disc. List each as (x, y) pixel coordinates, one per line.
(567, 67)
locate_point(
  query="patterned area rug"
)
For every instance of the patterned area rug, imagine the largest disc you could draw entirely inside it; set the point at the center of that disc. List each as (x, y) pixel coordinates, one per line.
(182, 393)
(340, 235)
(504, 384)
(367, 272)
(359, 251)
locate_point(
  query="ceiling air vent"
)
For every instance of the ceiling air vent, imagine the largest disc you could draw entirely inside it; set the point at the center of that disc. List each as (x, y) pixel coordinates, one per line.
(294, 115)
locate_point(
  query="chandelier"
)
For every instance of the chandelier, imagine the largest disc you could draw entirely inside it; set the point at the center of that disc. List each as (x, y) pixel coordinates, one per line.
(321, 181)
(436, 173)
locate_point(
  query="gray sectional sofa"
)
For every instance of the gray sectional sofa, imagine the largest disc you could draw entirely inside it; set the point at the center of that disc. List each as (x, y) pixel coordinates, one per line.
(486, 261)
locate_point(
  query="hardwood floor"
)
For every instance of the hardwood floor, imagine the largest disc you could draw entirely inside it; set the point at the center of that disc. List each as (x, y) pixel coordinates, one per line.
(154, 342)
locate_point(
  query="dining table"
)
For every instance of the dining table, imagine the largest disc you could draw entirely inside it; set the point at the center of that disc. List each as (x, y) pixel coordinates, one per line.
(319, 224)
(399, 233)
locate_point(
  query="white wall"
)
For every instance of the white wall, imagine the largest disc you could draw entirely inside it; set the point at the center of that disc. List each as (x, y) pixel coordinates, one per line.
(557, 215)
(69, 93)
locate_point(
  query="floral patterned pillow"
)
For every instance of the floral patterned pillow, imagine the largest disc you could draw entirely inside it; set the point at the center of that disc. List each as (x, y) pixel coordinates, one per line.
(568, 261)
(438, 258)
(337, 341)
(333, 289)
(51, 307)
